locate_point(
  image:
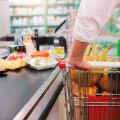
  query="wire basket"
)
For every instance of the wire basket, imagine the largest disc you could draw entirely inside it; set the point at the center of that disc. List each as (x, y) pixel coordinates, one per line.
(92, 96)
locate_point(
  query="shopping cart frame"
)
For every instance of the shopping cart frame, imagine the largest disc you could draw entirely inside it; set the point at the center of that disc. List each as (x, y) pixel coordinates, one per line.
(86, 101)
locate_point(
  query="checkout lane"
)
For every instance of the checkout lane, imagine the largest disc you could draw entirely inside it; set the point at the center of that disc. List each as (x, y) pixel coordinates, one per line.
(18, 87)
(23, 89)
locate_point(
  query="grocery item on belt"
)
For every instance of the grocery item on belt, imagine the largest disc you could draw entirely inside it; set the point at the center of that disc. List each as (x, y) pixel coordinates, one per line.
(29, 45)
(12, 64)
(14, 61)
(16, 48)
(59, 50)
(43, 53)
(16, 55)
(40, 63)
(12, 49)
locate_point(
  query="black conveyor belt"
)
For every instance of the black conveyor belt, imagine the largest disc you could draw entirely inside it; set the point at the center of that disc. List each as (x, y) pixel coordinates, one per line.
(17, 87)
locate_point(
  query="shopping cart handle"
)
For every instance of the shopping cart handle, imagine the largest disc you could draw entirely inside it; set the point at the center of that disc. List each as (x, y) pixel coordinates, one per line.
(64, 64)
(105, 64)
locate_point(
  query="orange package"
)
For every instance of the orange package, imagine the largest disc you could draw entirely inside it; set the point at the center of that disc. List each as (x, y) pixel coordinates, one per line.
(43, 53)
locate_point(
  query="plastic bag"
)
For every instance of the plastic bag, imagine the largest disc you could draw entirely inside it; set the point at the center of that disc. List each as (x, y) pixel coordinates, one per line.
(16, 55)
(67, 29)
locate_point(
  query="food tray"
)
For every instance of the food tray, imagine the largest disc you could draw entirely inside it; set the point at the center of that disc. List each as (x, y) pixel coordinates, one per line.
(31, 63)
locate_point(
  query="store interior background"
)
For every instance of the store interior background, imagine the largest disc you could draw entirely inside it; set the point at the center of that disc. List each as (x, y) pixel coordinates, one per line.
(46, 15)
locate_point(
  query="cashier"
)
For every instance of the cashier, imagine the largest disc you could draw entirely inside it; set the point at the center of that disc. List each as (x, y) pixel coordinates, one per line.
(92, 16)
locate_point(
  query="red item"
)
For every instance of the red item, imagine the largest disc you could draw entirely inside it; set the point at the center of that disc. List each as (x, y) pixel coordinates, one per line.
(1, 69)
(103, 111)
(43, 53)
(16, 55)
(62, 64)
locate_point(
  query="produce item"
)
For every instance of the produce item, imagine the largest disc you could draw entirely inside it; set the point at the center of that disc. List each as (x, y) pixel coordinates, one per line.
(109, 84)
(12, 64)
(104, 93)
(75, 89)
(94, 51)
(116, 75)
(16, 55)
(88, 50)
(98, 53)
(91, 78)
(103, 55)
(90, 90)
(29, 45)
(43, 53)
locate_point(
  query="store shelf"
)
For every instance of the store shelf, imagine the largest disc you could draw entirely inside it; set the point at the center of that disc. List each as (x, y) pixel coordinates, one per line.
(46, 5)
(58, 14)
(60, 4)
(15, 15)
(24, 5)
(16, 26)
(53, 26)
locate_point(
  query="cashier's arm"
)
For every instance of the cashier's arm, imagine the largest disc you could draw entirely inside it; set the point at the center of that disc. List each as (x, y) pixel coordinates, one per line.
(92, 16)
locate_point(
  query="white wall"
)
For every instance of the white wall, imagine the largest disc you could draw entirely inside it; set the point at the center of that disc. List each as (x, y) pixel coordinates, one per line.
(4, 18)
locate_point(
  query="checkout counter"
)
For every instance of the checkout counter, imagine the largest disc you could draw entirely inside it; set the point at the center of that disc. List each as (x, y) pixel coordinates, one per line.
(30, 94)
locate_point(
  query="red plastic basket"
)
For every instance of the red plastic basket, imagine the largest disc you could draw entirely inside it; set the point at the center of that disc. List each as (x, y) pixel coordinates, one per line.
(109, 109)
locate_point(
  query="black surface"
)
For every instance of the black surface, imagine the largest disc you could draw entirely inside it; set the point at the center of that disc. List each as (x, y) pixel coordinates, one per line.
(51, 103)
(2, 72)
(50, 41)
(16, 89)
(60, 26)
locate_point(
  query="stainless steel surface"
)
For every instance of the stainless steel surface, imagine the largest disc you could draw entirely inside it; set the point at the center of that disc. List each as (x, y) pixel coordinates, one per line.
(38, 95)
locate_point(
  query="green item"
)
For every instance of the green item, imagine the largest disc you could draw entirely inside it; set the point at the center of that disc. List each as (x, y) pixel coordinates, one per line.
(118, 48)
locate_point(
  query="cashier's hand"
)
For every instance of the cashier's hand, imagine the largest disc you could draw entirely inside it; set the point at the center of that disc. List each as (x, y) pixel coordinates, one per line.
(80, 65)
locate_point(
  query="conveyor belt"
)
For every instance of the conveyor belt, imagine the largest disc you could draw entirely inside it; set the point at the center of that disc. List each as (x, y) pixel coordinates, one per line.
(17, 87)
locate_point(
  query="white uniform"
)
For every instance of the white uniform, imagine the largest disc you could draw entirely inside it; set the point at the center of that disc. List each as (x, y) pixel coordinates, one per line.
(92, 16)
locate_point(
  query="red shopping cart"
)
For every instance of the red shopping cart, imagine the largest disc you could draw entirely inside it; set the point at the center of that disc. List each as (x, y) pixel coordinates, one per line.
(92, 96)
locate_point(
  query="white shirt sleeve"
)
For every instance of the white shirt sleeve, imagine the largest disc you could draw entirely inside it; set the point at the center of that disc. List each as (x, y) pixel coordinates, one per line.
(92, 16)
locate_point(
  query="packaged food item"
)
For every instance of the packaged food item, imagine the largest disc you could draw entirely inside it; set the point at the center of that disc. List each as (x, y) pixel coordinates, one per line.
(59, 50)
(43, 53)
(14, 61)
(21, 48)
(29, 45)
(16, 55)
(16, 48)
(12, 64)
(41, 63)
(12, 49)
